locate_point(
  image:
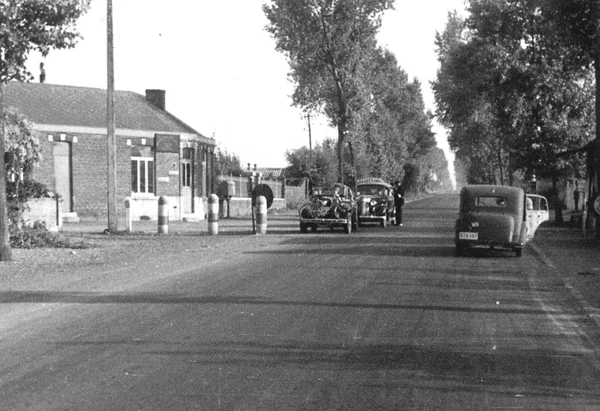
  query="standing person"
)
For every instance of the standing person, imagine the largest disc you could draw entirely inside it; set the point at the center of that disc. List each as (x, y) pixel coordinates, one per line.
(398, 202)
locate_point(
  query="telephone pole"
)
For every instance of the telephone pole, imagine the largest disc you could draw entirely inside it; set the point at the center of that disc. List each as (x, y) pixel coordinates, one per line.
(110, 118)
(309, 143)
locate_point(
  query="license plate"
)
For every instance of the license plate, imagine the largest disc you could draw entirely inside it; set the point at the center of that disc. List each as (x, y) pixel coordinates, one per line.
(468, 236)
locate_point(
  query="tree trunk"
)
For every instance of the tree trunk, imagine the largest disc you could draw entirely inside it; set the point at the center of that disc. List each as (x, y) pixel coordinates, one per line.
(340, 152)
(500, 166)
(558, 215)
(5, 251)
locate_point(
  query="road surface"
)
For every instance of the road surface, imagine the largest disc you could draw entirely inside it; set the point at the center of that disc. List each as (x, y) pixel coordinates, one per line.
(381, 319)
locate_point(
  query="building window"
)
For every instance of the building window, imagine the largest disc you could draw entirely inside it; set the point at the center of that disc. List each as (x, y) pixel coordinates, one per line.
(186, 168)
(186, 175)
(142, 175)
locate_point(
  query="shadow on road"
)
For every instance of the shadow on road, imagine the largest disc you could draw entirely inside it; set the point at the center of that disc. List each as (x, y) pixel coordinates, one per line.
(74, 297)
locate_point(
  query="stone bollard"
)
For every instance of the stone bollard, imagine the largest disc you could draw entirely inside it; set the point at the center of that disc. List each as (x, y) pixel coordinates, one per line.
(213, 214)
(261, 215)
(163, 216)
(128, 216)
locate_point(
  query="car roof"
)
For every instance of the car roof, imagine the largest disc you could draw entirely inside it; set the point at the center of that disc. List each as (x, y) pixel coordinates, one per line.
(372, 181)
(488, 189)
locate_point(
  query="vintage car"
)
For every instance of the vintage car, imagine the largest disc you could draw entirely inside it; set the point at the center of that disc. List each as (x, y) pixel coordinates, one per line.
(497, 217)
(330, 207)
(375, 201)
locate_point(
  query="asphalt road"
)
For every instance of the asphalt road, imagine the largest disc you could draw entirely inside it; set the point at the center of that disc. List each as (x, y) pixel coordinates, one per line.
(381, 319)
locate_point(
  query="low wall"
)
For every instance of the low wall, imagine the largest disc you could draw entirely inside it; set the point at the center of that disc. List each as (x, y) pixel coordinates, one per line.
(146, 208)
(42, 209)
(239, 207)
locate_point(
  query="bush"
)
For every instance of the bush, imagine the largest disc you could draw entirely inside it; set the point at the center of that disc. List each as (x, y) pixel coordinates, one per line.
(38, 236)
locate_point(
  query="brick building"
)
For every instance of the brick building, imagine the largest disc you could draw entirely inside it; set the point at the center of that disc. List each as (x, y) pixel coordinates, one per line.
(157, 154)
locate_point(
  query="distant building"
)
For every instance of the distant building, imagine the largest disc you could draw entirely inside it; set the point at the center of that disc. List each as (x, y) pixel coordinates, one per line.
(157, 154)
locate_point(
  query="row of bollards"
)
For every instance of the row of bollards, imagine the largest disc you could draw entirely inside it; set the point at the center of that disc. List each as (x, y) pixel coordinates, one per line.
(213, 215)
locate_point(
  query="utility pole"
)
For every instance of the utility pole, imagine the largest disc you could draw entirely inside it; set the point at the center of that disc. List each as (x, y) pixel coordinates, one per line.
(110, 118)
(5, 251)
(310, 160)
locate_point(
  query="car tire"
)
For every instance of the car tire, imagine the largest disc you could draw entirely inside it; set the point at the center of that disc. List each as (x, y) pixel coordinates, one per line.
(303, 228)
(519, 252)
(313, 228)
(383, 223)
(460, 249)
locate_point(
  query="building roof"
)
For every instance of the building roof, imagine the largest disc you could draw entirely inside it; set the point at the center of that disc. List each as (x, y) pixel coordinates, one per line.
(62, 105)
(271, 172)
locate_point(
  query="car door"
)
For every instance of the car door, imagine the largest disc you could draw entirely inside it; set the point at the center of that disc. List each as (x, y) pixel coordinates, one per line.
(537, 212)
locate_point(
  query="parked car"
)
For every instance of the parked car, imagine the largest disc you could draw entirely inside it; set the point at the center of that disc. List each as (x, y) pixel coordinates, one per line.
(497, 217)
(332, 206)
(375, 201)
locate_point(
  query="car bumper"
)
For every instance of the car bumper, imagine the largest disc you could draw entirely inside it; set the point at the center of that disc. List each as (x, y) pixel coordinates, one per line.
(324, 221)
(371, 217)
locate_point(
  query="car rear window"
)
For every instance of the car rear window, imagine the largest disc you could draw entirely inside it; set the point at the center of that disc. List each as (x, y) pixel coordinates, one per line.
(370, 190)
(491, 201)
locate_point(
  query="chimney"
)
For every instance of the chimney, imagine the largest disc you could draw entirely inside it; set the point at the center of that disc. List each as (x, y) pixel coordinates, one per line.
(156, 97)
(42, 73)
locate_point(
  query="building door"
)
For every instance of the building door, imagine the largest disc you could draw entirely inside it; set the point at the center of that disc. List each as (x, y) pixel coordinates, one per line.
(187, 181)
(62, 175)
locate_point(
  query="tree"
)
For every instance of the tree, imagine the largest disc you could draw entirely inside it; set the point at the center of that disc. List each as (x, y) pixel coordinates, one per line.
(329, 44)
(322, 170)
(513, 93)
(27, 25)
(227, 163)
(24, 153)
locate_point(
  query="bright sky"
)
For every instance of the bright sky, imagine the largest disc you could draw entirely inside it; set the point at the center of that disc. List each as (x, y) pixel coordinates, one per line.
(219, 68)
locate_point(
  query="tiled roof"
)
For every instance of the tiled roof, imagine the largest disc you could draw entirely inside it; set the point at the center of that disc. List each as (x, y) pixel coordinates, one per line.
(86, 107)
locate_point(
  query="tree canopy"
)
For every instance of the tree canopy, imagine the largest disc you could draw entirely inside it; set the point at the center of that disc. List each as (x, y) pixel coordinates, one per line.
(513, 90)
(383, 129)
(328, 44)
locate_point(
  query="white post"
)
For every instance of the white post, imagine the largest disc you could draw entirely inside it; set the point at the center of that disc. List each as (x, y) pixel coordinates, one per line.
(128, 216)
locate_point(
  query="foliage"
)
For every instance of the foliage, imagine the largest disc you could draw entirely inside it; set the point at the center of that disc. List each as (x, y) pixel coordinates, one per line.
(21, 144)
(24, 153)
(227, 163)
(328, 44)
(383, 128)
(38, 236)
(321, 170)
(27, 25)
(513, 93)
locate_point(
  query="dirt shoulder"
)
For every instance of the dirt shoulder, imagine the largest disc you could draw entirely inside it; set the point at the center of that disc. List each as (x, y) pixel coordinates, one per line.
(106, 256)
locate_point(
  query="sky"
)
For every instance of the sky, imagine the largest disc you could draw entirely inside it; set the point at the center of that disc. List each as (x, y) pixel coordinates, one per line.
(220, 70)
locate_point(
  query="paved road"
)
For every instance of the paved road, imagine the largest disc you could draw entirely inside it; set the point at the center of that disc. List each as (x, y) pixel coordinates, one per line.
(385, 319)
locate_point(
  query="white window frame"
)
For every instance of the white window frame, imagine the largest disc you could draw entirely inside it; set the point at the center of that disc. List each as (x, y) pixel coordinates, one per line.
(149, 171)
(186, 173)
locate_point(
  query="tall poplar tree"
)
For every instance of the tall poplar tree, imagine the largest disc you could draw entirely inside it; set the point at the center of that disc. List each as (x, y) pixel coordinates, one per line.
(328, 44)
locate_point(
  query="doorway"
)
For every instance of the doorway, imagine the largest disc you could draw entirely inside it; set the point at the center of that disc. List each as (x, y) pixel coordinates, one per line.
(187, 180)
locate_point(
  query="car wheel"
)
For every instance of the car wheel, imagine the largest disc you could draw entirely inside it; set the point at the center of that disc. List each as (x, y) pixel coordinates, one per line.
(313, 228)
(519, 252)
(460, 250)
(303, 228)
(383, 222)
